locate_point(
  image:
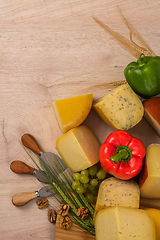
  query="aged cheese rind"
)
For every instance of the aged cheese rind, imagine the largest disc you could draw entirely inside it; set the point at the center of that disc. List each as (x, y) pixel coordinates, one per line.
(152, 113)
(120, 108)
(150, 175)
(71, 112)
(79, 148)
(116, 192)
(120, 223)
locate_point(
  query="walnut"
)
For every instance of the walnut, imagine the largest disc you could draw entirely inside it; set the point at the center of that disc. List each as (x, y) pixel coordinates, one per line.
(65, 222)
(83, 213)
(43, 203)
(52, 215)
(63, 209)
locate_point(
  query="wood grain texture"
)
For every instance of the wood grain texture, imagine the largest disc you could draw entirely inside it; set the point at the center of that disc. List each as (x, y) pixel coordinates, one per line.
(50, 50)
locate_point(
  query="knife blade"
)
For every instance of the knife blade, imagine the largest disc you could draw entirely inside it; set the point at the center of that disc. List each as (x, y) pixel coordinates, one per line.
(50, 159)
(20, 199)
(22, 168)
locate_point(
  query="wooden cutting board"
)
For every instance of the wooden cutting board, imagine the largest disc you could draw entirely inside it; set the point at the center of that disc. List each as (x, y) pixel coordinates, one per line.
(73, 233)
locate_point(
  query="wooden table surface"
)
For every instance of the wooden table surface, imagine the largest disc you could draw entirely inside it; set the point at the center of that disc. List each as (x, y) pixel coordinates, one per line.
(52, 49)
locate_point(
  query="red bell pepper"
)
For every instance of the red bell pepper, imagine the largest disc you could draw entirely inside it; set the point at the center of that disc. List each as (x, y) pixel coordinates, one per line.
(121, 155)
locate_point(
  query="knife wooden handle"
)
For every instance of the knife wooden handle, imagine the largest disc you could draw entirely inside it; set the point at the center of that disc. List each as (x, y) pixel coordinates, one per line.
(20, 199)
(21, 167)
(30, 142)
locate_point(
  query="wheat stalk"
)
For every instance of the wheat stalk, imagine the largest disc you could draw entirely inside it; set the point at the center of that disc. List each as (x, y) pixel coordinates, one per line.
(65, 193)
(128, 44)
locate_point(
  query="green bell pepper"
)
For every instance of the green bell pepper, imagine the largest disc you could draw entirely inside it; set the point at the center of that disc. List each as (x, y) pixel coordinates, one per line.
(143, 76)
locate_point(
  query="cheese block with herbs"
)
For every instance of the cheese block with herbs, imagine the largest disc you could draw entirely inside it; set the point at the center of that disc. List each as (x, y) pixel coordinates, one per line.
(149, 180)
(120, 108)
(79, 148)
(116, 192)
(155, 214)
(71, 112)
(121, 223)
(152, 113)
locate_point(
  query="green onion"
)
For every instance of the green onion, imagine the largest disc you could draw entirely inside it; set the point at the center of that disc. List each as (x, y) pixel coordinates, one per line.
(63, 185)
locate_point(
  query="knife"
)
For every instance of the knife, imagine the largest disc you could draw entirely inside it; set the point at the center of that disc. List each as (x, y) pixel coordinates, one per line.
(20, 199)
(22, 168)
(50, 159)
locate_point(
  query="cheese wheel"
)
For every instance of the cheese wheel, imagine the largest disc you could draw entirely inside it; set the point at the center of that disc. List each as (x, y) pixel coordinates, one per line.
(155, 214)
(152, 113)
(149, 180)
(121, 223)
(71, 112)
(120, 108)
(116, 192)
(79, 148)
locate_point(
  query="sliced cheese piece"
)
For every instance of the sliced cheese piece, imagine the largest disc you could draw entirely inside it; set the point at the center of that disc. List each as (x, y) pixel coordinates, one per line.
(155, 214)
(116, 192)
(71, 112)
(79, 148)
(150, 175)
(152, 113)
(120, 223)
(120, 108)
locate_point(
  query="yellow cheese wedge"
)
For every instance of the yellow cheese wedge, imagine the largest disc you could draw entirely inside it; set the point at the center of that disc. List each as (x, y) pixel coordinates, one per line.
(71, 112)
(120, 108)
(150, 175)
(116, 192)
(155, 214)
(79, 148)
(121, 223)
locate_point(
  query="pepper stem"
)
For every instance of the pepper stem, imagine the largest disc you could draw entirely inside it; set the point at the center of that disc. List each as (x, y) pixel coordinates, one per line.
(123, 154)
(141, 59)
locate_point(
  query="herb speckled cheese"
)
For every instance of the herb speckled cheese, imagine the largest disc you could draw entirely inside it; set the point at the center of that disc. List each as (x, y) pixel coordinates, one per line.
(116, 192)
(121, 223)
(120, 108)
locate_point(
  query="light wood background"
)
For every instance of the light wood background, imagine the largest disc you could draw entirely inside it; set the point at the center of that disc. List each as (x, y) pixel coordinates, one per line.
(50, 49)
